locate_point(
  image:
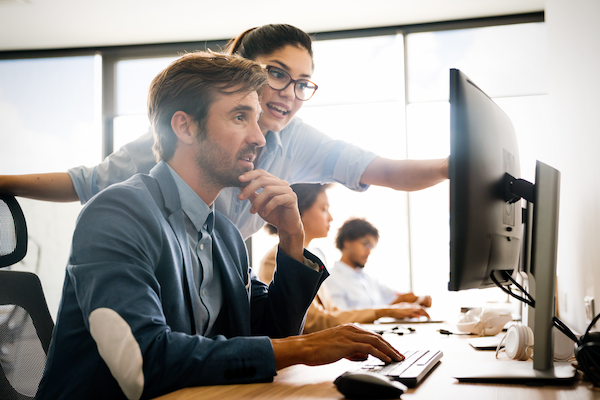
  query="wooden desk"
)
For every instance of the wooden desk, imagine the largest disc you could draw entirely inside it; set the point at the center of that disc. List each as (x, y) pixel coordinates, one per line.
(314, 383)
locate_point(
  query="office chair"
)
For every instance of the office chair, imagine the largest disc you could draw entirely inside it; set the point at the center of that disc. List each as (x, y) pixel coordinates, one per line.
(25, 322)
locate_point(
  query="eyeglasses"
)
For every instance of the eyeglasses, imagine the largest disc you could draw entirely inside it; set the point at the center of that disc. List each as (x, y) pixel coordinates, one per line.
(368, 244)
(279, 79)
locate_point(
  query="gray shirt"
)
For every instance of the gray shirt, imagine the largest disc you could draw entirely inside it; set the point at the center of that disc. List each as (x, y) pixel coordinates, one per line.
(198, 219)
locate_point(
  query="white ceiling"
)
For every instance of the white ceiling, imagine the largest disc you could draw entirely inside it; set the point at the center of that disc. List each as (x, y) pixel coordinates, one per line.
(53, 24)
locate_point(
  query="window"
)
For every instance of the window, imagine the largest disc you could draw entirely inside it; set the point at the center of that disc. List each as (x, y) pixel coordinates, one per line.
(133, 81)
(386, 91)
(49, 112)
(49, 122)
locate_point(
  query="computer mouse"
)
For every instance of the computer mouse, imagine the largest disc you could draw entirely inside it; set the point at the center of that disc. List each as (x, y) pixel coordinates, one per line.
(368, 385)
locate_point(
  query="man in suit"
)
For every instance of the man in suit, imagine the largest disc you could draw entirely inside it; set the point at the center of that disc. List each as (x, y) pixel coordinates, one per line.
(158, 294)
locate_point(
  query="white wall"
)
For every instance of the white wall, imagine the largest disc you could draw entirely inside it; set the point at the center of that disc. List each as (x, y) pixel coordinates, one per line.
(574, 58)
(55, 24)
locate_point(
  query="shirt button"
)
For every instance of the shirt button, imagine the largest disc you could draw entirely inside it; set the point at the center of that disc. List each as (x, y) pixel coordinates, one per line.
(201, 246)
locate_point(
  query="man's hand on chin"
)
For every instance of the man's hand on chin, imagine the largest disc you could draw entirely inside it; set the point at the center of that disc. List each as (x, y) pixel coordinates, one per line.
(277, 204)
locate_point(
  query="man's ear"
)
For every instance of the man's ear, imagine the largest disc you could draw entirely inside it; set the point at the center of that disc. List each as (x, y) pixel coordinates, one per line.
(185, 127)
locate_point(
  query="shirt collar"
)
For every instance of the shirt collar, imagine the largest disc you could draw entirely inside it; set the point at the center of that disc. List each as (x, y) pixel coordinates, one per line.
(350, 270)
(273, 140)
(195, 208)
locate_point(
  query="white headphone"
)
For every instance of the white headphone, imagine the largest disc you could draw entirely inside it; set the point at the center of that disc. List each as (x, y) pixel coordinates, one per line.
(483, 322)
(519, 344)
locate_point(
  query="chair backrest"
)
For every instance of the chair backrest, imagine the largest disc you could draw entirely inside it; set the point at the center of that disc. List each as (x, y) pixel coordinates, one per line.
(25, 322)
(13, 232)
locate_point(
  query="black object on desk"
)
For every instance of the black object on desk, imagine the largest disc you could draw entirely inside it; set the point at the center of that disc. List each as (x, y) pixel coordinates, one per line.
(447, 332)
(368, 385)
(415, 320)
(398, 330)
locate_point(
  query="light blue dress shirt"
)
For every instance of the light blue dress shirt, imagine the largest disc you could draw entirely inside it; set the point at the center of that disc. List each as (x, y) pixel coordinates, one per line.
(198, 219)
(351, 288)
(297, 154)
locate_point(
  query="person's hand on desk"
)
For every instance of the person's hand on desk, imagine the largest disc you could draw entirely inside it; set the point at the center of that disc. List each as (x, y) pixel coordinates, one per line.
(399, 311)
(424, 301)
(330, 345)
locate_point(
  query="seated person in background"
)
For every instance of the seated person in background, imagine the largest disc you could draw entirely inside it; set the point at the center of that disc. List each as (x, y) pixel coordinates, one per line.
(158, 294)
(322, 314)
(349, 285)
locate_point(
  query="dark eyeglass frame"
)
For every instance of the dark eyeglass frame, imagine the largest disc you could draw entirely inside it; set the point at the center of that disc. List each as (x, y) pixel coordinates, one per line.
(294, 81)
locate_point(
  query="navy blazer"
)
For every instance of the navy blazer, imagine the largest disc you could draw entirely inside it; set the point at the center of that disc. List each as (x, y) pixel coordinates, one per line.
(130, 255)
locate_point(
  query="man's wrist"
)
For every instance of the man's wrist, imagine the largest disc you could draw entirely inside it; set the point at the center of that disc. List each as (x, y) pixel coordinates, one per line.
(292, 244)
(286, 352)
(381, 312)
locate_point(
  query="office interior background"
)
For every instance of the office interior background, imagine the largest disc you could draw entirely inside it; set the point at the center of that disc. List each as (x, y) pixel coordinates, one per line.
(74, 78)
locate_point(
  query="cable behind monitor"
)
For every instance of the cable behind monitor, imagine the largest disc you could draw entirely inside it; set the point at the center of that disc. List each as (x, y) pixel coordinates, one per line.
(587, 352)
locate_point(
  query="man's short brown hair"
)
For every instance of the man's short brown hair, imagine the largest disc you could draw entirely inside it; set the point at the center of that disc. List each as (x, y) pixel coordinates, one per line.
(190, 84)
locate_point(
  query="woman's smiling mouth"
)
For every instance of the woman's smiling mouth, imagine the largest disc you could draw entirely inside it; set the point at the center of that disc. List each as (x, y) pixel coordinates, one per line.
(278, 109)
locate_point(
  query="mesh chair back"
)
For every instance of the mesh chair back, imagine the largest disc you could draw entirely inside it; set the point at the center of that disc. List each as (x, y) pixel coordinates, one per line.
(25, 322)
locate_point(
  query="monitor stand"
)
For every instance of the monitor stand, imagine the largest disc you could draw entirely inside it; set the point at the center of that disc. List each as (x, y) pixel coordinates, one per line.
(520, 372)
(544, 237)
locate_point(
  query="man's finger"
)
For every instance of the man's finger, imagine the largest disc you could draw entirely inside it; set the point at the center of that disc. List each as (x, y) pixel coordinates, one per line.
(261, 182)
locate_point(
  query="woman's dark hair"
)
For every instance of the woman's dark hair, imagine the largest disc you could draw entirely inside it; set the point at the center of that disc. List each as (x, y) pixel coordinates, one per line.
(266, 39)
(307, 195)
(353, 229)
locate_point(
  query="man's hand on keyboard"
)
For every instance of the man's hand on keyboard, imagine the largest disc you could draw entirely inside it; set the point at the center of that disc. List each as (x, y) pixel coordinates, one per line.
(327, 346)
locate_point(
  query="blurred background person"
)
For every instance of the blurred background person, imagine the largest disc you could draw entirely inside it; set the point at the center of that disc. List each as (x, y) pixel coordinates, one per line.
(323, 313)
(350, 287)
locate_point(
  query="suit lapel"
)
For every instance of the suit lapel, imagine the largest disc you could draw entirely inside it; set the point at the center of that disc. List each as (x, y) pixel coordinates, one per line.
(174, 215)
(236, 289)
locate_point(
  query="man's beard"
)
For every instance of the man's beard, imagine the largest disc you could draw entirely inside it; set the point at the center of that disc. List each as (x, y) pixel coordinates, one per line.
(210, 159)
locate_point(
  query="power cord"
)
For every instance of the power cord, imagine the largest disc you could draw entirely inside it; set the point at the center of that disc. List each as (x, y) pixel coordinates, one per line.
(587, 352)
(448, 333)
(529, 300)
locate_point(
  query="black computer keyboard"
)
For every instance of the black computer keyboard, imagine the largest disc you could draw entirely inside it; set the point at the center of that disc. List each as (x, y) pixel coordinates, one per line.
(412, 370)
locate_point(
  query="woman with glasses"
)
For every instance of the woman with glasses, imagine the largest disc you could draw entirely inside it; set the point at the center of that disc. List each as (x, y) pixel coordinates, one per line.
(294, 151)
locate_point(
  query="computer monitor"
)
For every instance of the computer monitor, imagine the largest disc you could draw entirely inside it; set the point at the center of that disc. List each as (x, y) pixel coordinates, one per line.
(487, 234)
(485, 230)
